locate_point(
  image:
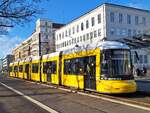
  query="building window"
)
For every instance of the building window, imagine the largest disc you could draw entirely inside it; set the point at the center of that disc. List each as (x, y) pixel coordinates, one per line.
(134, 32)
(99, 32)
(120, 18)
(82, 26)
(139, 32)
(91, 35)
(87, 36)
(99, 18)
(118, 32)
(69, 42)
(95, 34)
(136, 20)
(77, 28)
(87, 24)
(72, 41)
(128, 19)
(112, 17)
(83, 37)
(123, 32)
(129, 32)
(73, 30)
(66, 33)
(69, 32)
(80, 38)
(141, 58)
(59, 36)
(92, 21)
(63, 35)
(46, 37)
(112, 31)
(77, 39)
(145, 59)
(144, 20)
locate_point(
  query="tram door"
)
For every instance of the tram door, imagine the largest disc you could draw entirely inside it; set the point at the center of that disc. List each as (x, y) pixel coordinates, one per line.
(27, 71)
(16, 71)
(90, 73)
(48, 71)
(48, 75)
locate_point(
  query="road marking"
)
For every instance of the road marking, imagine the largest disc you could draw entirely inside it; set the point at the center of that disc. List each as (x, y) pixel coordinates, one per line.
(50, 110)
(103, 98)
(95, 96)
(116, 101)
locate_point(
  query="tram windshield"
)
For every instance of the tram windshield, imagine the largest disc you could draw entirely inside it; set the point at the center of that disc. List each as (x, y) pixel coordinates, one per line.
(116, 63)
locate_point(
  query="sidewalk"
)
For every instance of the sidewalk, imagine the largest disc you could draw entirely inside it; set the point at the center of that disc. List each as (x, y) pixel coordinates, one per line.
(143, 85)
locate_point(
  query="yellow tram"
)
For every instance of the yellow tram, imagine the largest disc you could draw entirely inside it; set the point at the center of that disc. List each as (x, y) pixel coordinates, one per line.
(21, 69)
(11, 70)
(105, 69)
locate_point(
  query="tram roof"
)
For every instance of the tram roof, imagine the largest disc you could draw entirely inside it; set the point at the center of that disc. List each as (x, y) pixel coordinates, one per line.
(35, 57)
(11, 64)
(112, 45)
(50, 55)
(102, 45)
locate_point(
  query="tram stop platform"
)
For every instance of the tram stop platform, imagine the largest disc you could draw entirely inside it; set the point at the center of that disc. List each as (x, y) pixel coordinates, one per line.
(143, 85)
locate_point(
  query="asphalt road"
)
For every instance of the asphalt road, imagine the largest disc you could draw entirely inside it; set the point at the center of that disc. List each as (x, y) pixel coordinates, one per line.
(11, 102)
(56, 99)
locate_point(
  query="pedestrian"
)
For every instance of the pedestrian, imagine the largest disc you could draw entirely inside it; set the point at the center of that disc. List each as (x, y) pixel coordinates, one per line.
(137, 72)
(144, 70)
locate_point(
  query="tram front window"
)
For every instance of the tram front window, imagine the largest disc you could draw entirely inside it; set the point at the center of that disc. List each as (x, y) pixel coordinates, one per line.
(116, 64)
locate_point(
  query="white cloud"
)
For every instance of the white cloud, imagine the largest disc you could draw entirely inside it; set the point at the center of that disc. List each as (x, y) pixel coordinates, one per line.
(7, 44)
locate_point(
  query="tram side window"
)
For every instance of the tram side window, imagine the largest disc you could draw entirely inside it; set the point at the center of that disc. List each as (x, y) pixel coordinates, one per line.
(73, 66)
(20, 68)
(79, 66)
(27, 68)
(51, 65)
(10, 69)
(45, 67)
(16, 69)
(35, 68)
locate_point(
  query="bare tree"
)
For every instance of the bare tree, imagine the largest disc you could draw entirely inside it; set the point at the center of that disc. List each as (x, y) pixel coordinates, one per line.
(17, 12)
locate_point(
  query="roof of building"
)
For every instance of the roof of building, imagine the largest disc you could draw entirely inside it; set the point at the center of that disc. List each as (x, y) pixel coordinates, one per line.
(110, 4)
(133, 8)
(57, 25)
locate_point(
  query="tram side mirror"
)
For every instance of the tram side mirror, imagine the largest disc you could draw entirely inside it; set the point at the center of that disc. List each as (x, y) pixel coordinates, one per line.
(137, 56)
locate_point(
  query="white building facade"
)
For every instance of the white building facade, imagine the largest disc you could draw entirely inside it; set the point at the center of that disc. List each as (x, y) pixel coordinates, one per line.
(106, 22)
(40, 42)
(1, 64)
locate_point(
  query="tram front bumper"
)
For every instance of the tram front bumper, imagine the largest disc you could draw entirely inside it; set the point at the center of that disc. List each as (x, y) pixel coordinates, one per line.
(118, 86)
(128, 86)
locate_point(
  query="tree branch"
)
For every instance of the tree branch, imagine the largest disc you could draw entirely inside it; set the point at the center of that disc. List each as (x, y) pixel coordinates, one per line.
(14, 12)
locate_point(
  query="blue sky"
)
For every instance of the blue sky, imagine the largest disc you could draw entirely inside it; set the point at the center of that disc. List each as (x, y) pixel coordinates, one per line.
(61, 11)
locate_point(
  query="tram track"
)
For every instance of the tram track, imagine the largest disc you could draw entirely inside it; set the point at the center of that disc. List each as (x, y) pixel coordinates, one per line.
(138, 98)
(129, 98)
